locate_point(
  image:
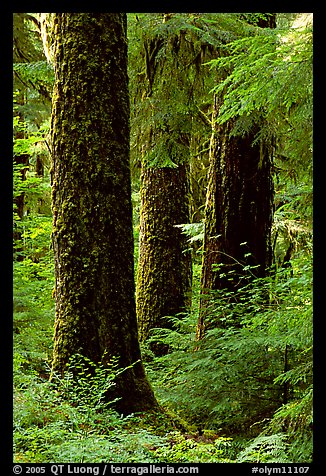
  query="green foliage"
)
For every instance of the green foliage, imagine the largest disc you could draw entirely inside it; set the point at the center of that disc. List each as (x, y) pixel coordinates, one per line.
(38, 71)
(252, 379)
(85, 383)
(259, 73)
(195, 449)
(296, 416)
(194, 231)
(244, 393)
(168, 85)
(266, 449)
(60, 422)
(68, 420)
(33, 77)
(32, 230)
(32, 140)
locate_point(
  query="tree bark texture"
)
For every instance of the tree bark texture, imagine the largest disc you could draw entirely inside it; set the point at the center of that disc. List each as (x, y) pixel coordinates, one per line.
(164, 269)
(92, 215)
(238, 214)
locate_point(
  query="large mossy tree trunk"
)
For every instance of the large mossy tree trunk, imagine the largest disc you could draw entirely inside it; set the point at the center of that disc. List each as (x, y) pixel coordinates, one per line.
(164, 268)
(92, 215)
(238, 217)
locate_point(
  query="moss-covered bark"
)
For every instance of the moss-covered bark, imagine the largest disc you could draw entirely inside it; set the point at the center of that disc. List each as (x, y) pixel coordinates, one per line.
(92, 224)
(164, 268)
(238, 215)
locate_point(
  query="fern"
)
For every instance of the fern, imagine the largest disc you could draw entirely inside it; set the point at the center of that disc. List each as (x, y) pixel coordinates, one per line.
(239, 379)
(266, 449)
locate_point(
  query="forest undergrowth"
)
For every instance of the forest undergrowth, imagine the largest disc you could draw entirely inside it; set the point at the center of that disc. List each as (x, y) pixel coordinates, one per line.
(243, 395)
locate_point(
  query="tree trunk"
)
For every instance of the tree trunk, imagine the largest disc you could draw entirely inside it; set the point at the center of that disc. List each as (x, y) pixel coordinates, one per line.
(92, 215)
(164, 269)
(238, 216)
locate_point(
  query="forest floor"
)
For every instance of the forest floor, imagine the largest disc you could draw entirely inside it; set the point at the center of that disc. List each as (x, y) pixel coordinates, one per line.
(68, 421)
(215, 405)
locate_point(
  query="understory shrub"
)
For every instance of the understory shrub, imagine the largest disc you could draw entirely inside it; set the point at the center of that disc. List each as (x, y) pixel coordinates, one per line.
(251, 381)
(68, 420)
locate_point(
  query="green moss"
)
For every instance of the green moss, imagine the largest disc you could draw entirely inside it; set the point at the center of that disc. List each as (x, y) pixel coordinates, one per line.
(92, 233)
(164, 270)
